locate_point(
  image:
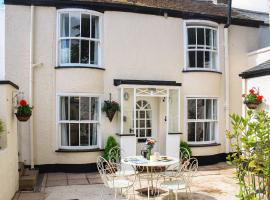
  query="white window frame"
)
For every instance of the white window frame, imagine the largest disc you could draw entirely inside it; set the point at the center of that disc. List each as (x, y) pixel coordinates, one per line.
(201, 120)
(100, 40)
(59, 122)
(138, 119)
(200, 24)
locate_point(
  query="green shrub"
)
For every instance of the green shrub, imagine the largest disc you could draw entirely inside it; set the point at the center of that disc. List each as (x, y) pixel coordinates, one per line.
(185, 145)
(111, 142)
(1, 127)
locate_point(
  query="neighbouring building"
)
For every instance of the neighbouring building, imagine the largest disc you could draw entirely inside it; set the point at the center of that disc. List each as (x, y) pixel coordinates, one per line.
(172, 66)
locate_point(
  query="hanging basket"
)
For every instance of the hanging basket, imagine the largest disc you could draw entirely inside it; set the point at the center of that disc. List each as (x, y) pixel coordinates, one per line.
(23, 118)
(110, 114)
(252, 106)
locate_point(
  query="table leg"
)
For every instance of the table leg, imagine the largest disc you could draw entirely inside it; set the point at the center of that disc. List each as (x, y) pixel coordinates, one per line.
(148, 193)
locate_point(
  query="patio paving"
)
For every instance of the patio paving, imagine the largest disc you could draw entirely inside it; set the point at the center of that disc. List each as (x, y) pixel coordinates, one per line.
(211, 183)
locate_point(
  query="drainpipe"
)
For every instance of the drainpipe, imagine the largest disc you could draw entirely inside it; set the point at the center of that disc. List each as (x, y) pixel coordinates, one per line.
(31, 125)
(227, 73)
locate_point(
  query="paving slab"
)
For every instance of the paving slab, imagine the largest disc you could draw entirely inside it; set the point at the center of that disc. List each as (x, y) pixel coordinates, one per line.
(75, 176)
(78, 182)
(57, 176)
(53, 183)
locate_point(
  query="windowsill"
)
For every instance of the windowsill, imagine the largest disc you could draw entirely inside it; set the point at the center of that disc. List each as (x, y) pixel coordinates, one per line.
(78, 67)
(201, 70)
(78, 150)
(121, 135)
(204, 145)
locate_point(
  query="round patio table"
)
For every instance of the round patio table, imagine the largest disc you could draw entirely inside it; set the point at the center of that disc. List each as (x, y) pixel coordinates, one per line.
(139, 161)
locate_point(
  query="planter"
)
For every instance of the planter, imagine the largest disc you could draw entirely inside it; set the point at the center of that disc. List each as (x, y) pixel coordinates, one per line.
(110, 114)
(22, 118)
(252, 106)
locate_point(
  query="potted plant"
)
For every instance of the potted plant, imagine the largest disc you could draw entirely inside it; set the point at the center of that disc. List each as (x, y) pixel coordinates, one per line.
(24, 111)
(111, 143)
(150, 143)
(110, 108)
(253, 99)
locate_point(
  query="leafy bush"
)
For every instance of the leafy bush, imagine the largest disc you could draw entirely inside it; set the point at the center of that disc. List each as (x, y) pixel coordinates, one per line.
(250, 142)
(185, 145)
(1, 127)
(111, 142)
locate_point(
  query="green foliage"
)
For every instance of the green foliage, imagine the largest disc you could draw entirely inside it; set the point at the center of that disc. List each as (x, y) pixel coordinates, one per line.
(185, 145)
(111, 142)
(250, 142)
(24, 110)
(110, 108)
(1, 127)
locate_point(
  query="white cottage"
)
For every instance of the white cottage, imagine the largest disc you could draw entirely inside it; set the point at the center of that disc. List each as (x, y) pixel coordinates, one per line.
(171, 65)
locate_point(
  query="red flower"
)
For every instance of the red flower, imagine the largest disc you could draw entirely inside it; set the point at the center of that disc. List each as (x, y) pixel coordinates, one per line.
(244, 95)
(252, 91)
(260, 98)
(23, 102)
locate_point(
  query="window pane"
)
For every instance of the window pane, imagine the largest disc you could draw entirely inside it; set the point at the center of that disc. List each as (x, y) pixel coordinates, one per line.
(142, 123)
(207, 129)
(74, 134)
(199, 131)
(192, 109)
(192, 59)
(64, 51)
(64, 108)
(64, 25)
(75, 53)
(75, 24)
(85, 51)
(209, 37)
(191, 131)
(207, 63)
(148, 133)
(85, 25)
(93, 134)
(200, 59)
(94, 52)
(215, 39)
(148, 123)
(142, 132)
(84, 134)
(64, 134)
(200, 36)
(84, 108)
(74, 108)
(214, 60)
(200, 109)
(94, 108)
(215, 109)
(208, 108)
(213, 127)
(95, 27)
(142, 114)
(191, 36)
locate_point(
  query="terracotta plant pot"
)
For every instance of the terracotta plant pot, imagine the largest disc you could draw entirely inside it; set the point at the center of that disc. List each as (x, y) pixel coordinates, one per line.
(252, 106)
(22, 118)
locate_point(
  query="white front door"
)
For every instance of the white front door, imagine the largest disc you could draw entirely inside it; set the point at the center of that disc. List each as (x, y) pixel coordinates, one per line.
(146, 122)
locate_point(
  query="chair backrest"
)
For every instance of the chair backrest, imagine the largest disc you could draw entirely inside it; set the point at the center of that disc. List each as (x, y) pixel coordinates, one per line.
(104, 169)
(190, 170)
(184, 155)
(115, 155)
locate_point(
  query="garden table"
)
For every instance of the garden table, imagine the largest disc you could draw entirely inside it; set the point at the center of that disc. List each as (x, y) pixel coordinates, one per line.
(139, 161)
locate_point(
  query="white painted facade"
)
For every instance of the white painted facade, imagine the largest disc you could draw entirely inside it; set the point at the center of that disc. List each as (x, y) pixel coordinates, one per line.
(135, 47)
(2, 43)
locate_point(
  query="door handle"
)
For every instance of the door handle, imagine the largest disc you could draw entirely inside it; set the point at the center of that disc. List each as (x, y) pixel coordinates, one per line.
(165, 118)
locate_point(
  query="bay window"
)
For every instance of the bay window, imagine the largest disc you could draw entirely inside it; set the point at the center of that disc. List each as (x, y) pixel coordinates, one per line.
(79, 38)
(201, 47)
(202, 120)
(79, 119)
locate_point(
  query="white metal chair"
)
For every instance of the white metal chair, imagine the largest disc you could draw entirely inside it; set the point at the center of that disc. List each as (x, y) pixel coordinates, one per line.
(183, 178)
(114, 180)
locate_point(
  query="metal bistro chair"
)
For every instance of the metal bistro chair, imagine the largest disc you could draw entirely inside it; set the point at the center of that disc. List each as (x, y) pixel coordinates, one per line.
(183, 178)
(184, 158)
(115, 156)
(112, 180)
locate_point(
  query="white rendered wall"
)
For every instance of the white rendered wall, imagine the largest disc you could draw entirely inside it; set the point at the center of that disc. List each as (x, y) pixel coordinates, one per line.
(2, 41)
